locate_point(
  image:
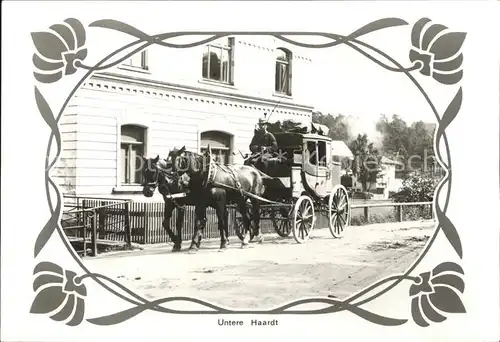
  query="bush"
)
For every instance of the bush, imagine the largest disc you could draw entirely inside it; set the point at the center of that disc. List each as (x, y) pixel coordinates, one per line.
(416, 188)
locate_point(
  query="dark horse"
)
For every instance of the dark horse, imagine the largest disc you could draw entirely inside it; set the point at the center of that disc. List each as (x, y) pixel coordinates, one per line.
(215, 185)
(157, 173)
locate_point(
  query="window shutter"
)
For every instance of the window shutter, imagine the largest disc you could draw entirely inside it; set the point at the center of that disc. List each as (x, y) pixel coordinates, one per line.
(231, 60)
(144, 61)
(290, 68)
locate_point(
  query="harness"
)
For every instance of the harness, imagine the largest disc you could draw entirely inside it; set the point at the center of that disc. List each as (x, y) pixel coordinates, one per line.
(212, 171)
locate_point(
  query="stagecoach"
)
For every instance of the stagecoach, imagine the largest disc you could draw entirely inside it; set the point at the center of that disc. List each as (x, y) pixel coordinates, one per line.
(304, 179)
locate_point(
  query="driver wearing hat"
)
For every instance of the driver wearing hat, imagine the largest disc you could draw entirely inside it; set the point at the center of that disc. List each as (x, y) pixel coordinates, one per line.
(263, 141)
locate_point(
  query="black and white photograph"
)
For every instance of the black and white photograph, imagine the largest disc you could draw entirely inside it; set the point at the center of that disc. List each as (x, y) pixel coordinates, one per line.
(235, 146)
(260, 169)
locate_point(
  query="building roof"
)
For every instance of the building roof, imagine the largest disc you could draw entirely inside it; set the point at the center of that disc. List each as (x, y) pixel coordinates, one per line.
(386, 160)
(339, 148)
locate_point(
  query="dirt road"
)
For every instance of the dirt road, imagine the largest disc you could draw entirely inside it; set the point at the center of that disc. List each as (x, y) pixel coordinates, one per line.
(278, 271)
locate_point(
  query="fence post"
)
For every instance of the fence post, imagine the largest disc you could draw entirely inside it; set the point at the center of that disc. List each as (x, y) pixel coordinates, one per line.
(400, 213)
(78, 215)
(367, 216)
(84, 232)
(94, 233)
(128, 231)
(148, 208)
(102, 218)
(431, 211)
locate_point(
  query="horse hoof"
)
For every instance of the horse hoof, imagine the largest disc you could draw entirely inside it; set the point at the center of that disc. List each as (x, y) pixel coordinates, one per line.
(259, 239)
(192, 250)
(176, 249)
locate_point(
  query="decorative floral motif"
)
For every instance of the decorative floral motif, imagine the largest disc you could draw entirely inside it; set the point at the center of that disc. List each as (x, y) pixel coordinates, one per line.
(438, 51)
(59, 52)
(58, 293)
(437, 291)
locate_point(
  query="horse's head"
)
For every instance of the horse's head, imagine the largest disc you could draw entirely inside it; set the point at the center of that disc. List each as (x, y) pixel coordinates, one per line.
(178, 159)
(150, 175)
(157, 172)
(187, 166)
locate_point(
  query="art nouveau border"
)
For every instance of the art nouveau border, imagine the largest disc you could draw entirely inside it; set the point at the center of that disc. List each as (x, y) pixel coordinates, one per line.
(435, 53)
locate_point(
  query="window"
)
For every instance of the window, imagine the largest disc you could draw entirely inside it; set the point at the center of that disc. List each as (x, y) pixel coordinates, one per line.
(138, 60)
(283, 77)
(132, 147)
(322, 153)
(218, 62)
(311, 149)
(220, 145)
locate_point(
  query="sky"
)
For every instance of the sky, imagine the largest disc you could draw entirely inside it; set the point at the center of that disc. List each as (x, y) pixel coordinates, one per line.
(351, 84)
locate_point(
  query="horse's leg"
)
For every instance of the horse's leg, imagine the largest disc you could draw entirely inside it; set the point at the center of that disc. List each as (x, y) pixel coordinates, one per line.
(198, 225)
(169, 208)
(256, 220)
(202, 223)
(226, 224)
(242, 206)
(178, 224)
(251, 228)
(220, 211)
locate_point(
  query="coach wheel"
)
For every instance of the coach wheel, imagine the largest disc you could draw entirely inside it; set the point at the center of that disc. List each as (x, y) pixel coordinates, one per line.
(303, 219)
(281, 222)
(338, 210)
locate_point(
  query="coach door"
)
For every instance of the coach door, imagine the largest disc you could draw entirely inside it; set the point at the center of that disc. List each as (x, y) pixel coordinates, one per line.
(315, 166)
(323, 174)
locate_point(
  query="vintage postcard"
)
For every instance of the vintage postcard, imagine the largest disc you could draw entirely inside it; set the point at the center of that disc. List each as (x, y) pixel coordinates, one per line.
(273, 169)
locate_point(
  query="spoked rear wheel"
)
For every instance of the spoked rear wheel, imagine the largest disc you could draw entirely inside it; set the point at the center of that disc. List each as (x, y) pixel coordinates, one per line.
(303, 219)
(281, 221)
(338, 210)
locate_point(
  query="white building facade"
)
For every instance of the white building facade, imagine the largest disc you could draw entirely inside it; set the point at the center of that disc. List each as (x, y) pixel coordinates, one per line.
(163, 98)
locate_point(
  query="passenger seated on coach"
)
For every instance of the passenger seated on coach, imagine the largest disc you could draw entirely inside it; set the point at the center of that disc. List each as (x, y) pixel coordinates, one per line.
(263, 141)
(263, 146)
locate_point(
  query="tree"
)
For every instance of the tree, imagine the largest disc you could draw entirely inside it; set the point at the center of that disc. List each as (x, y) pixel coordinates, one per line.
(338, 126)
(395, 132)
(366, 164)
(420, 145)
(411, 145)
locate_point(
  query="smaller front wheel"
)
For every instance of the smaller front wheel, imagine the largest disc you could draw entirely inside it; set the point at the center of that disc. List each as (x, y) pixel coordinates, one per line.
(338, 211)
(303, 219)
